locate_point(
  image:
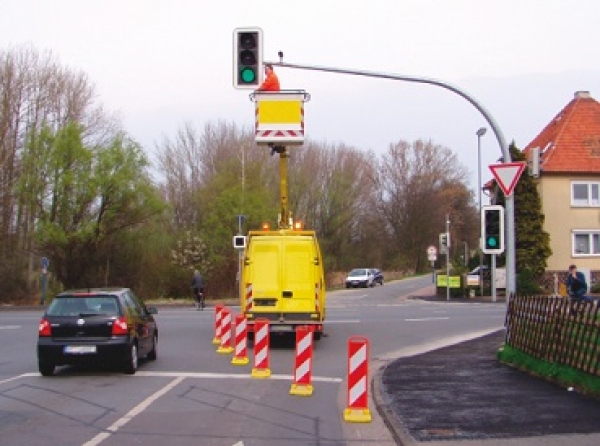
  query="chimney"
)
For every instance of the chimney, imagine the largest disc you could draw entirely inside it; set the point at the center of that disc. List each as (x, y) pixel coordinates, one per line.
(582, 95)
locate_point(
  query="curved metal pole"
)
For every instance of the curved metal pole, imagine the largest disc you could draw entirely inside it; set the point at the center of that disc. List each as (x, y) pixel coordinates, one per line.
(510, 227)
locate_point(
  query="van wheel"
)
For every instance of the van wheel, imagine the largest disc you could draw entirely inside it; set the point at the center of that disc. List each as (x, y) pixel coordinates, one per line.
(317, 335)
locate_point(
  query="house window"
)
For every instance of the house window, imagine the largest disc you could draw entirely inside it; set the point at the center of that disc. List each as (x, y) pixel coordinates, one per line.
(586, 243)
(585, 194)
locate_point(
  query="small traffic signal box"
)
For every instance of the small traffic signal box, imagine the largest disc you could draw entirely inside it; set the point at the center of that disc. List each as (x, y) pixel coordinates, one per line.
(247, 58)
(492, 229)
(444, 242)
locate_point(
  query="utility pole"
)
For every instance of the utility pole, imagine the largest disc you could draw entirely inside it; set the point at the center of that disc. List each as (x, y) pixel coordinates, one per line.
(448, 258)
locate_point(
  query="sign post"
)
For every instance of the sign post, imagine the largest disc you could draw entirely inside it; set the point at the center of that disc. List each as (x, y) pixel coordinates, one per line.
(45, 265)
(432, 257)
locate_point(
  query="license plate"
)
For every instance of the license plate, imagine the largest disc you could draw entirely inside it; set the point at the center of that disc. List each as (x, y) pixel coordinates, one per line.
(280, 328)
(80, 349)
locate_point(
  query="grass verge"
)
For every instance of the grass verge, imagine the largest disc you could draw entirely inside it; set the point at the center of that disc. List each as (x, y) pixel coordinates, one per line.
(560, 374)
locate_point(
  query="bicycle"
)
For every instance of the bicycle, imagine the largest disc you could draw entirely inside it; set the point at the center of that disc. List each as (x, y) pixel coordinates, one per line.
(200, 300)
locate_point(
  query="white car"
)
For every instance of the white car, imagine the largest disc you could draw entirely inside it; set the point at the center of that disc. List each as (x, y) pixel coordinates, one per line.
(360, 277)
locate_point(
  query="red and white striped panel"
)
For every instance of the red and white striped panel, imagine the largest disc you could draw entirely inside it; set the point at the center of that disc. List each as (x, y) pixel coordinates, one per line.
(249, 297)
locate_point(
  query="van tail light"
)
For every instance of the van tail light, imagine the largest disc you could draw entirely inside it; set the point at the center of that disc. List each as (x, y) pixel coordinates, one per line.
(120, 326)
(45, 329)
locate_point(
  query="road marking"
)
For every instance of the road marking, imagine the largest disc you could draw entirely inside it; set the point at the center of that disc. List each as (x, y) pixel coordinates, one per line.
(9, 327)
(132, 413)
(24, 375)
(323, 379)
(425, 319)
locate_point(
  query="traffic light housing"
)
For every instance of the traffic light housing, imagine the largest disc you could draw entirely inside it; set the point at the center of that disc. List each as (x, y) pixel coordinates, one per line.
(444, 242)
(239, 241)
(247, 58)
(492, 229)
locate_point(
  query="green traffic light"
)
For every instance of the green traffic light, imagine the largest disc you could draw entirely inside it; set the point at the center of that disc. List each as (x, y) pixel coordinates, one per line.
(492, 242)
(248, 75)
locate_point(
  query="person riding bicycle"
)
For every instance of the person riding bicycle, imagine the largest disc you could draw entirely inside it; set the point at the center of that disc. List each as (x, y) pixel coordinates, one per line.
(198, 287)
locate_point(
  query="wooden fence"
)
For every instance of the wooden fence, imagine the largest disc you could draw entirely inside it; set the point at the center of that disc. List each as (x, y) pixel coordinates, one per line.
(556, 330)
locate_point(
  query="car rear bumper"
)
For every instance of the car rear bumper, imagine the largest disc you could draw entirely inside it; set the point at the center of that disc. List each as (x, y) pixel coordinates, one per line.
(114, 349)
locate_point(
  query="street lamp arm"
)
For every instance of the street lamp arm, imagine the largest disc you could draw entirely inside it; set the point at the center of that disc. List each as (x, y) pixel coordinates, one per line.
(418, 79)
(510, 229)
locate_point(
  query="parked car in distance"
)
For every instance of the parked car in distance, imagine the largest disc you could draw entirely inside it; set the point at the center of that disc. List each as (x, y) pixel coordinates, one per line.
(360, 277)
(377, 276)
(105, 325)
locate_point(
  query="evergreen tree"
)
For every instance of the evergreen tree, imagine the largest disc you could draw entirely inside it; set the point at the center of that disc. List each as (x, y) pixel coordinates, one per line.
(532, 241)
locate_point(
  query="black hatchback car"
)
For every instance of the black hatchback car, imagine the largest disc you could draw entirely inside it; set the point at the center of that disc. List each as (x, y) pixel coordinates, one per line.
(107, 325)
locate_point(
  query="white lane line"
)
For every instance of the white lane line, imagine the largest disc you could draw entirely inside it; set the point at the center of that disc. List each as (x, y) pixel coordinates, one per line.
(132, 413)
(9, 327)
(425, 319)
(323, 379)
(24, 375)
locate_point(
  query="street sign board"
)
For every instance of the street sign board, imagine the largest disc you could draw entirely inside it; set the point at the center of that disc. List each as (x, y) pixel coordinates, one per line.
(432, 250)
(507, 175)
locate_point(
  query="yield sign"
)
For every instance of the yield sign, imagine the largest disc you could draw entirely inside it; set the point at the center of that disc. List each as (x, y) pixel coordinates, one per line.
(507, 175)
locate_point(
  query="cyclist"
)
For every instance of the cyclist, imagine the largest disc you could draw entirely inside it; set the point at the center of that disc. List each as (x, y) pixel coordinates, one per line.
(198, 287)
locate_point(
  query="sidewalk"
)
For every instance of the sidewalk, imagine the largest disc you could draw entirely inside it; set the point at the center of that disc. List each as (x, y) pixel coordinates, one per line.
(461, 394)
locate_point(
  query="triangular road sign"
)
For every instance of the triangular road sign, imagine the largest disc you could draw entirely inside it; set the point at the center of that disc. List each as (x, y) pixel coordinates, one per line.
(507, 175)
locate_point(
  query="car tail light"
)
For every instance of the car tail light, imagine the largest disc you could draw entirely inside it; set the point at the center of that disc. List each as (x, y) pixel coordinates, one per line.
(45, 329)
(120, 326)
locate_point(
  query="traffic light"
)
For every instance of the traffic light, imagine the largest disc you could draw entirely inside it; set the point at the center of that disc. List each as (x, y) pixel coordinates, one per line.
(239, 241)
(247, 58)
(492, 229)
(444, 242)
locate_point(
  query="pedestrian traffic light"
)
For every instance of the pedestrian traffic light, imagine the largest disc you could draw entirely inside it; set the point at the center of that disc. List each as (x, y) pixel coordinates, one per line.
(444, 242)
(247, 58)
(492, 229)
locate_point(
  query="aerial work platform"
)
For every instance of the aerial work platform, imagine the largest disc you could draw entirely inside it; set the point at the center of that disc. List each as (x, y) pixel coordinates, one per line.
(279, 117)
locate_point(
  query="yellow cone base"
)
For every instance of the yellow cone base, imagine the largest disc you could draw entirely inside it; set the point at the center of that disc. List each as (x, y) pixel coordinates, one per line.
(216, 341)
(260, 373)
(301, 389)
(240, 361)
(225, 350)
(357, 415)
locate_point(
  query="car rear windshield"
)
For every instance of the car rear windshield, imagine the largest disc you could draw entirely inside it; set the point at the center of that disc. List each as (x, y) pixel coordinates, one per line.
(78, 305)
(358, 272)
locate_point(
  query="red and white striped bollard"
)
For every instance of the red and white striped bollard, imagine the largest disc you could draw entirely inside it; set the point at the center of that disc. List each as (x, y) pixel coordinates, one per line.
(261, 349)
(217, 339)
(303, 366)
(225, 347)
(240, 356)
(357, 410)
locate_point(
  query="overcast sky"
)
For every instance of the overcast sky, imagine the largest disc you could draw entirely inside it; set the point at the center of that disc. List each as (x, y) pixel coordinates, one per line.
(159, 64)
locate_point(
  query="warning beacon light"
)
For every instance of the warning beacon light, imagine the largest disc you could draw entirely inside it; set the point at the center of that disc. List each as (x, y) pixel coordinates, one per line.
(247, 58)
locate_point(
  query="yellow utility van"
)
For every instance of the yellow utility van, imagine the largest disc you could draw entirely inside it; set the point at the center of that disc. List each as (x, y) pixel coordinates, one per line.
(282, 280)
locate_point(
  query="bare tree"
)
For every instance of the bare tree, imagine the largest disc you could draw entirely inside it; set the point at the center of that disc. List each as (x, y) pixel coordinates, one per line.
(418, 185)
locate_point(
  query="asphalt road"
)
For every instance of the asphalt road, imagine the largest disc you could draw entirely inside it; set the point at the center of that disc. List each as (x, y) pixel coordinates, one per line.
(192, 395)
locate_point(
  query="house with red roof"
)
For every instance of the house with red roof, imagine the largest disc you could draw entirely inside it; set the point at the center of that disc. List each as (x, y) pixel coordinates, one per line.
(569, 184)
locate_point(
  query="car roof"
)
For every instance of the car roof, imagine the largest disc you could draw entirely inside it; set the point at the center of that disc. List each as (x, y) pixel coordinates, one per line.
(93, 291)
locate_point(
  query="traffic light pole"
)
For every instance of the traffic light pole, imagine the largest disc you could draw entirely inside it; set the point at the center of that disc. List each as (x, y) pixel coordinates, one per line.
(510, 213)
(448, 259)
